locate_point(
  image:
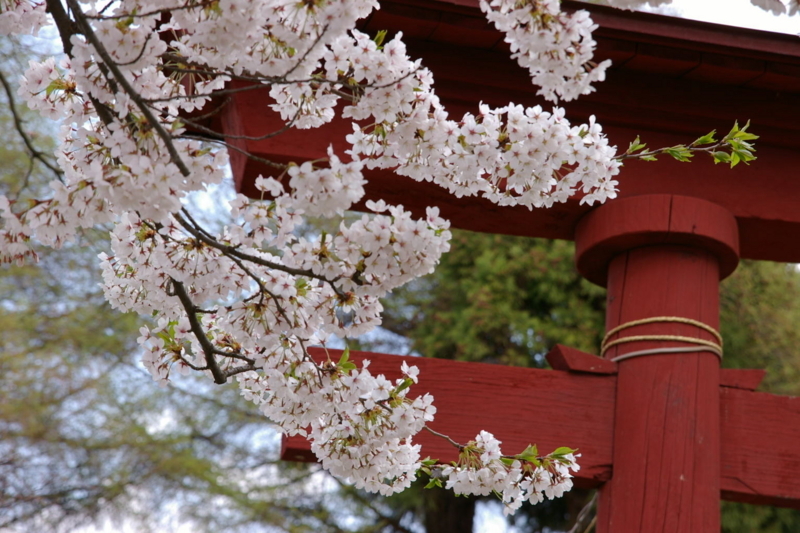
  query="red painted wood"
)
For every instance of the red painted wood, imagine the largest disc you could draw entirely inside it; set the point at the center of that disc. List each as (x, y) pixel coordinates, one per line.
(760, 458)
(742, 378)
(569, 359)
(650, 220)
(666, 432)
(760, 463)
(667, 422)
(520, 406)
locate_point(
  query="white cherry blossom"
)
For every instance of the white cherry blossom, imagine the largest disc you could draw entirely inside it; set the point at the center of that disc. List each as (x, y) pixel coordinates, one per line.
(247, 301)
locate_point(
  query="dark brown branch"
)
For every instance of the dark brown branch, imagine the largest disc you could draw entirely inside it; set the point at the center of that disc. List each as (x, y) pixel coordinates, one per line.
(232, 251)
(197, 329)
(229, 146)
(120, 78)
(65, 25)
(240, 370)
(35, 153)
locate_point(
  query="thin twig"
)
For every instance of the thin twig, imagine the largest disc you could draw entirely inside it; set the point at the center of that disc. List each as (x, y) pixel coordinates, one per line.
(235, 148)
(585, 517)
(203, 129)
(443, 436)
(18, 124)
(233, 251)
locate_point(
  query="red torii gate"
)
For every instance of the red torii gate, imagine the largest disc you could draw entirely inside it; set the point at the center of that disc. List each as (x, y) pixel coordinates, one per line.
(664, 435)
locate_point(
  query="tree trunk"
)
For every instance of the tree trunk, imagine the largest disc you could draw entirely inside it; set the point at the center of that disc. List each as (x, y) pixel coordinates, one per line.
(447, 513)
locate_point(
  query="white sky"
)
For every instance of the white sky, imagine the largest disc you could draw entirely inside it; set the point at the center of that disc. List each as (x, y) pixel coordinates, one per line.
(731, 12)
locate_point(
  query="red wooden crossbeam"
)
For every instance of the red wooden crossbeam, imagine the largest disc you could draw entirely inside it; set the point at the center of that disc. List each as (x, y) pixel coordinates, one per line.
(575, 407)
(520, 406)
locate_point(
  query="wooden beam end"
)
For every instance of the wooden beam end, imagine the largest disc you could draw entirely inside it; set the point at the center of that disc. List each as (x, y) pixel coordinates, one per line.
(296, 449)
(569, 359)
(741, 378)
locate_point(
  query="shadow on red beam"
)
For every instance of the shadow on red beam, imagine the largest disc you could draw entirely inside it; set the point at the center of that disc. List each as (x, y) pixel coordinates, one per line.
(520, 406)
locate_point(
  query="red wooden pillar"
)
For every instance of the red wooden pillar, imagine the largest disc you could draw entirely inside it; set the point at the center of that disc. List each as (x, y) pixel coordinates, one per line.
(662, 256)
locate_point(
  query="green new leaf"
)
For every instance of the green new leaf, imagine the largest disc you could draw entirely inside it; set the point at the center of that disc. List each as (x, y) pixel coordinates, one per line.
(745, 136)
(302, 286)
(434, 482)
(635, 146)
(345, 357)
(680, 152)
(404, 385)
(54, 85)
(740, 133)
(706, 139)
(721, 157)
(379, 38)
(530, 454)
(563, 451)
(347, 367)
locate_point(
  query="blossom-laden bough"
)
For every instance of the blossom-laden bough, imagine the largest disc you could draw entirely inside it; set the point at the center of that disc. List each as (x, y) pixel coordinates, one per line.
(245, 302)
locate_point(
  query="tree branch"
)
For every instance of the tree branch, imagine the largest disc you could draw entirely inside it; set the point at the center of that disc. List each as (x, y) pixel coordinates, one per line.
(199, 333)
(120, 78)
(35, 153)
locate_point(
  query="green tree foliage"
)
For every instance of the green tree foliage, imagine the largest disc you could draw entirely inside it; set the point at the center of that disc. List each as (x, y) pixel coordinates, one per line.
(501, 300)
(760, 315)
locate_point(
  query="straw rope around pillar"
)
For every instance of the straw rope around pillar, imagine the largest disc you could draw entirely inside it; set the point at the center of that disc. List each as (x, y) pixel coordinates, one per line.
(700, 345)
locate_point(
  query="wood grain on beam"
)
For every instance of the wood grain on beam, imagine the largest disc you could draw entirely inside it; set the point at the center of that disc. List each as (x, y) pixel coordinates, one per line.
(760, 460)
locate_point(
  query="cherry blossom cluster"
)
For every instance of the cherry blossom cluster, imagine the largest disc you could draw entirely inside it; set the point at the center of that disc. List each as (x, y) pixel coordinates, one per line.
(246, 301)
(482, 470)
(510, 155)
(565, 71)
(22, 16)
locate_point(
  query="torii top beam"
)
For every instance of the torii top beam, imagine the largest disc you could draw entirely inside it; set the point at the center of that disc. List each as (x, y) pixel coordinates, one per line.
(672, 81)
